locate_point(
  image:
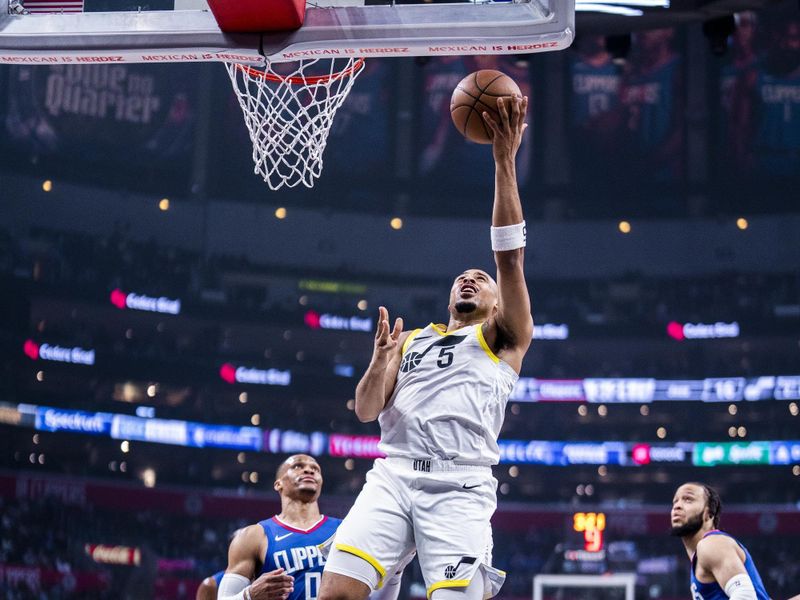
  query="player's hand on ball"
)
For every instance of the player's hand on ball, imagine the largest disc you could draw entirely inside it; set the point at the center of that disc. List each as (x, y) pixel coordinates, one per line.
(507, 132)
(275, 585)
(386, 340)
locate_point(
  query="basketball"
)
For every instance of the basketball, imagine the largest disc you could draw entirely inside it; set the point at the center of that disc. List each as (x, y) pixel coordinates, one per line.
(476, 93)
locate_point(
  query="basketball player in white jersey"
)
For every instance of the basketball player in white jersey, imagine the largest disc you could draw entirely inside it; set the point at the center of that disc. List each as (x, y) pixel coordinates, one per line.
(439, 394)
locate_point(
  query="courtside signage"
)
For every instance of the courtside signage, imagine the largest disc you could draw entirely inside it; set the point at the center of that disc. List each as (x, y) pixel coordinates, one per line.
(114, 555)
(143, 302)
(561, 453)
(731, 453)
(74, 355)
(317, 443)
(619, 390)
(294, 442)
(702, 331)
(315, 320)
(784, 453)
(533, 452)
(232, 374)
(331, 287)
(358, 446)
(551, 331)
(529, 389)
(644, 454)
(645, 390)
(53, 419)
(787, 387)
(225, 436)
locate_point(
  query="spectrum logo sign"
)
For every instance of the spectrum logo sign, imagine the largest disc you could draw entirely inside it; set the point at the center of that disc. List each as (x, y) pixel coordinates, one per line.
(326, 321)
(75, 355)
(702, 331)
(146, 303)
(232, 374)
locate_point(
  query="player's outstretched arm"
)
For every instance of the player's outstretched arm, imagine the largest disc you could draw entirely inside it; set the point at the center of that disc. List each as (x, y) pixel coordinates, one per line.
(719, 555)
(377, 384)
(513, 324)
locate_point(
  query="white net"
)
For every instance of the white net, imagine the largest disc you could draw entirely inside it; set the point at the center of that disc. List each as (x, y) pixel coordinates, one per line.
(288, 109)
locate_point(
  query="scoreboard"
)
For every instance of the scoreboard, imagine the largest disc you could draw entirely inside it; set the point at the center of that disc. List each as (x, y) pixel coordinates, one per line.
(591, 525)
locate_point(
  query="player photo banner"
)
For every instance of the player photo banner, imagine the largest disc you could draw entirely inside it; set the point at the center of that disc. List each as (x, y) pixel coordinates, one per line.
(628, 112)
(103, 114)
(759, 98)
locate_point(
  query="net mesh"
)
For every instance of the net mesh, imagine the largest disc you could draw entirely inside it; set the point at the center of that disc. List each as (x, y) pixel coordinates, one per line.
(288, 109)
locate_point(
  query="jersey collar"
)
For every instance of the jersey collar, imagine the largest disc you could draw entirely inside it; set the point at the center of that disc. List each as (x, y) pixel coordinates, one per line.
(288, 527)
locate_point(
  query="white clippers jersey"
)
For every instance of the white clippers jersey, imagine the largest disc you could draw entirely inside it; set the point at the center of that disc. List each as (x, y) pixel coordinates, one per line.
(450, 398)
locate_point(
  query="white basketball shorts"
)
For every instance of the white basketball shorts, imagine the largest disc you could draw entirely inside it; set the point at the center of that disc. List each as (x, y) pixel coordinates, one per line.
(439, 508)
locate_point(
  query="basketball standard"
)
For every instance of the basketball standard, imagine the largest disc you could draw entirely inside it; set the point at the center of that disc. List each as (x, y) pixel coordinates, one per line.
(291, 63)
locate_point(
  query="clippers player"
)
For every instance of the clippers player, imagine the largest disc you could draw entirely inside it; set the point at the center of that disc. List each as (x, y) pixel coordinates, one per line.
(721, 566)
(282, 558)
(439, 394)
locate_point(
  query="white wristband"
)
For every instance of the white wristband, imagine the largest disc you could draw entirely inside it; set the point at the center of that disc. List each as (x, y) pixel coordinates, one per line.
(233, 587)
(509, 237)
(740, 587)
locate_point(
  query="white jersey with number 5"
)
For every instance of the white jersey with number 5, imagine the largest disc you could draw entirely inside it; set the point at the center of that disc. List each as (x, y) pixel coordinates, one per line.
(449, 400)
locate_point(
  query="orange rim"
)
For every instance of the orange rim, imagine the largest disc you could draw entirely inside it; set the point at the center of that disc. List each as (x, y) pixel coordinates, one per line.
(253, 72)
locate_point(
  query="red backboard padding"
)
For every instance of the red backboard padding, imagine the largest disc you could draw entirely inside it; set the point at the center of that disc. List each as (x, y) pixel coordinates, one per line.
(252, 16)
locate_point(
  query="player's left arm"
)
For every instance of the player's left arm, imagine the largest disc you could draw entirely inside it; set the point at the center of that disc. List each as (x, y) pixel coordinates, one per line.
(721, 556)
(244, 558)
(511, 329)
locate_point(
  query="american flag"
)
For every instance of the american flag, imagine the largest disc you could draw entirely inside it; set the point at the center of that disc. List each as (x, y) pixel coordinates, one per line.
(53, 6)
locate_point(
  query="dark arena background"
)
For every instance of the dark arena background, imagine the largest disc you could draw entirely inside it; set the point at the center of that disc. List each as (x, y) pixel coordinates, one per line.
(171, 330)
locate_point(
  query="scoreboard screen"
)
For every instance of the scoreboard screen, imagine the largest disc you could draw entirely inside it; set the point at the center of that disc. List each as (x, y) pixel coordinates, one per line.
(591, 525)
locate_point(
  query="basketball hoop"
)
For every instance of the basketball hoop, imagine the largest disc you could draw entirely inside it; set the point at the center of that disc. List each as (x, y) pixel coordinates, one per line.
(288, 111)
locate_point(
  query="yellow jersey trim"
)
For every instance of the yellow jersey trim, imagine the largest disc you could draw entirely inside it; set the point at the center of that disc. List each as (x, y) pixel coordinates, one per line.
(484, 345)
(449, 583)
(410, 337)
(361, 554)
(441, 329)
